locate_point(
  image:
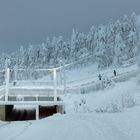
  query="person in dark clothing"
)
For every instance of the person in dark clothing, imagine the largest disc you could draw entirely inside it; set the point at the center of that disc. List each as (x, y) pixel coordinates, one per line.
(115, 73)
(14, 83)
(99, 76)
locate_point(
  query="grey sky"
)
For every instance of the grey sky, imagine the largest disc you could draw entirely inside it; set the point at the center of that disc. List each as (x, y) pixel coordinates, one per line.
(31, 21)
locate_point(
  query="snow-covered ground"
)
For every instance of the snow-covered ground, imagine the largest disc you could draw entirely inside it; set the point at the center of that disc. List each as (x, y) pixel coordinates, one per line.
(90, 74)
(109, 114)
(113, 99)
(97, 126)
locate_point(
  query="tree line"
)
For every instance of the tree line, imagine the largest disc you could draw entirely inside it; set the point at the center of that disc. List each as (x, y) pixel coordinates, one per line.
(112, 44)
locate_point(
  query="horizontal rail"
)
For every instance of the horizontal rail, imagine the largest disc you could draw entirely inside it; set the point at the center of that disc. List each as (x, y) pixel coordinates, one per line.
(34, 69)
(45, 103)
(2, 70)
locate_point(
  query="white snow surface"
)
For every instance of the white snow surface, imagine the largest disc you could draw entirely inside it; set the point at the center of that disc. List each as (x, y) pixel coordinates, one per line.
(97, 126)
(122, 95)
(109, 114)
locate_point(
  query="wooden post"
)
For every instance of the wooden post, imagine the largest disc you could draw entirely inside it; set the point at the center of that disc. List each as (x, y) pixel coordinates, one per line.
(55, 84)
(7, 83)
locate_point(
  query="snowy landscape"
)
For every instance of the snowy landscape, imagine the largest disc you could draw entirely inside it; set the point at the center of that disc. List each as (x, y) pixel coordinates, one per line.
(110, 113)
(95, 76)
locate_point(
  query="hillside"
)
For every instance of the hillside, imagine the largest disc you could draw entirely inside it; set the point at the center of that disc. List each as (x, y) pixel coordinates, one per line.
(112, 44)
(101, 114)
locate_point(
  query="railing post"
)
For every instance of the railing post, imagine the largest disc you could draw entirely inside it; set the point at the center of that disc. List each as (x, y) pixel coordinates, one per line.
(15, 72)
(55, 84)
(7, 83)
(37, 112)
(36, 98)
(64, 81)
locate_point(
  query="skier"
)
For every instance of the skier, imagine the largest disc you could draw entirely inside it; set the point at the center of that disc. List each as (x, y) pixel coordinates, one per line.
(99, 76)
(115, 73)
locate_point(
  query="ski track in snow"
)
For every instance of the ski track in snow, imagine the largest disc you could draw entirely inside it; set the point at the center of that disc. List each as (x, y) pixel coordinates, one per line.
(98, 128)
(73, 127)
(5, 124)
(11, 126)
(22, 131)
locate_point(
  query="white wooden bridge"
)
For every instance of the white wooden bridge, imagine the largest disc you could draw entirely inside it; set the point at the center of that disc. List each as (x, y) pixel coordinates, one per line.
(29, 87)
(30, 92)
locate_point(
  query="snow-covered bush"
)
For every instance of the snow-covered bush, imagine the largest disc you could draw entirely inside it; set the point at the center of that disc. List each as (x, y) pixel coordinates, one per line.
(128, 101)
(111, 100)
(117, 105)
(101, 109)
(82, 91)
(112, 107)
(81, 106)
(107, 82)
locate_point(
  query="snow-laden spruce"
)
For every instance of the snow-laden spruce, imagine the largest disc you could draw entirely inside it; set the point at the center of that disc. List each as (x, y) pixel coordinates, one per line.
(111, 44)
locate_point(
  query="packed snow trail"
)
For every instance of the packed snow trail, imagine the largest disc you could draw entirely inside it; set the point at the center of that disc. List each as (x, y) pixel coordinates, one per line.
(71, 127)
(10, 131)
(97, 126)
(93, 85)
(3, 124)
(22, 131)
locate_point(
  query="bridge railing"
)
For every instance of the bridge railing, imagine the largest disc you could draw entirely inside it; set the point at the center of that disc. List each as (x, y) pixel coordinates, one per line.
(48, 78)
(36, 76)
(2, 77)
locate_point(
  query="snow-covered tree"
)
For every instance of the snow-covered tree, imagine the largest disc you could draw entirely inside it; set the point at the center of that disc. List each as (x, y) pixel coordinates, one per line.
(109, 44)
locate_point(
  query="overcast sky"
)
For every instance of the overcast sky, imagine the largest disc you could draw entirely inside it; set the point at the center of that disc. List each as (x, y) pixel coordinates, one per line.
(31, 21)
